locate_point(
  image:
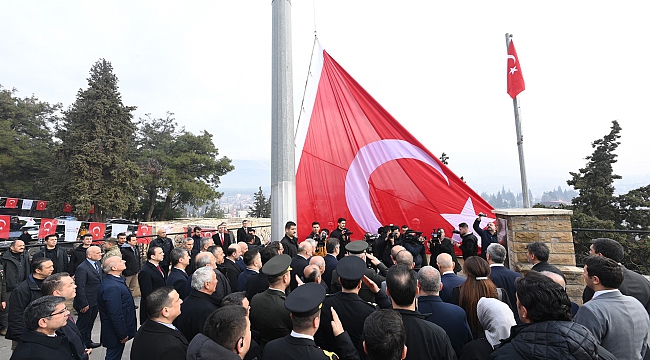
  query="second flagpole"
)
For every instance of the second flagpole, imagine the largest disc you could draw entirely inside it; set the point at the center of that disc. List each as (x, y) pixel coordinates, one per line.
(520, 142)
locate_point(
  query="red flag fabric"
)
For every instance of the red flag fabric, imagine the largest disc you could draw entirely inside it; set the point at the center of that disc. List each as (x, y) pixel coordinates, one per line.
(357, 162)
(47, 227)
(515, 77)
(97, 230)
(67, 208)
(144, 230)
(11, 203)
(41, 205)
(5, 226)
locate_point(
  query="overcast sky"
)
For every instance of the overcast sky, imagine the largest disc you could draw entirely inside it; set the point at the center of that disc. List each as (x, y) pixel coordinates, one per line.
(437, 67)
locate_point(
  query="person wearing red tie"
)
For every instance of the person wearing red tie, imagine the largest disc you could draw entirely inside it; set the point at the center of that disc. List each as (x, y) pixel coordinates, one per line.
(223, 237)
(151, 277)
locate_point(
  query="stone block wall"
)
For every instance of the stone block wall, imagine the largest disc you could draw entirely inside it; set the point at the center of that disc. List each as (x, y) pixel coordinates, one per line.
(520, 227)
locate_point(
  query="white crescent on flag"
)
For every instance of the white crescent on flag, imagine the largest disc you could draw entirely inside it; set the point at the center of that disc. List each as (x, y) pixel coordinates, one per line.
(369, 158)
(3, 224)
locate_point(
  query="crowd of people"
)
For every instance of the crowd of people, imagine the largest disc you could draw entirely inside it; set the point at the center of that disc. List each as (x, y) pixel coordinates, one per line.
(227, 297)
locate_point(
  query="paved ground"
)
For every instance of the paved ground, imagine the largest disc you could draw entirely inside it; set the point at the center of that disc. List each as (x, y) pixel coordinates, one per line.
(97, 354)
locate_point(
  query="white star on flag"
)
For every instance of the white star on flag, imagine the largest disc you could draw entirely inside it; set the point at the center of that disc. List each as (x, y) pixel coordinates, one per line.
(513, 69)
(466, 215)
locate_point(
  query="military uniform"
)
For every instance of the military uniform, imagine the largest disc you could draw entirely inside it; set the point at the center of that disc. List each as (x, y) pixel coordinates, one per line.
(305, 301)
(359, 247)
(268, 314)
(352, 310)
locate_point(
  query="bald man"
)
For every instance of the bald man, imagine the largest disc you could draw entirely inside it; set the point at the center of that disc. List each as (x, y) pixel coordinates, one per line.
(300, 261)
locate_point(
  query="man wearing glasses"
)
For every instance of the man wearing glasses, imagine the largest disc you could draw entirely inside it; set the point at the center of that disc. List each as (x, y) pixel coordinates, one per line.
(44, 317)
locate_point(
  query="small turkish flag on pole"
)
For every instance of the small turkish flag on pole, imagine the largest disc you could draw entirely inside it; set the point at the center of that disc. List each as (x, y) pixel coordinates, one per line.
(97, 230)
(67, 208)
(47, 227)
(515, 78)
(4, 226)
(11, 203)
(41, 205)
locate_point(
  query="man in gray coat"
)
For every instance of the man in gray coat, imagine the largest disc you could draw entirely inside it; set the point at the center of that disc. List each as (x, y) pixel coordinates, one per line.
(620, 323)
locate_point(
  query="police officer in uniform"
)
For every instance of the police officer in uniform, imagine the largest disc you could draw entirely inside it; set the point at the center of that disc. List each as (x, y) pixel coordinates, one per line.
(347, 303)
(305, 303)
(268, 314)
(358, 249)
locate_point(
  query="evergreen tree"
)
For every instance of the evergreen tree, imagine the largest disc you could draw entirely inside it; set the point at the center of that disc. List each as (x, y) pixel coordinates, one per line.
(179, 168)
(595, 182)
(26, 144)
(94, 165)
(261, 207)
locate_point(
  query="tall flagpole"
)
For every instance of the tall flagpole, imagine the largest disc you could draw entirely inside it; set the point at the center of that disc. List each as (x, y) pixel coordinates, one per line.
(283, 170)
(520, 142)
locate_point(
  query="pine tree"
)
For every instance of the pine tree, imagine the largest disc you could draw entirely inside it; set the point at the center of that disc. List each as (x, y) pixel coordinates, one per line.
(94, 165)
(595, 182)
(261, 207)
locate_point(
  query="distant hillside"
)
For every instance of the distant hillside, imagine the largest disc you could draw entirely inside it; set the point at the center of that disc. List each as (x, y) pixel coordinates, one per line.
(247, 177)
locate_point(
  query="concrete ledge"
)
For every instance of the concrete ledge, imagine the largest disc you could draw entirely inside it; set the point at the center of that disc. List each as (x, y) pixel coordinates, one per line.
(533, 211)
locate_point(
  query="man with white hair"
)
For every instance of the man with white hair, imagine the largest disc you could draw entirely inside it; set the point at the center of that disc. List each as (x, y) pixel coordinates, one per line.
(450, 317)
(299, 262)
(116, 309)
(449, 279)
(199, 304)
(500, 275)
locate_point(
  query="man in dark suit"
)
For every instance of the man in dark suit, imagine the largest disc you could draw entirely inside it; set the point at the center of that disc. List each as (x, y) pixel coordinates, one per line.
(151, 277)
(116, 309)
(290, 241)
(223, 237)
(157, 338)
(180, 259)
(61, 284)
(232, 270)
(16, 269)
(450, 317)
(633, 284)
(166, 244)
(304, 303)
(537, 254)
(333, 248)
(268, 314)
(199, 304)
(88, 277)
(44, 317)
(242, 232)
(424, 339)
(501, 276)
(299, 262)
(253, 262)
(449, 279)
(131, 254)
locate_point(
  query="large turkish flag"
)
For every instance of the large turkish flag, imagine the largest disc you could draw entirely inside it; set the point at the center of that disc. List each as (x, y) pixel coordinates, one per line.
(354, 160)
(47, 227)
